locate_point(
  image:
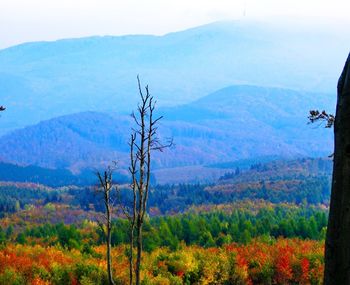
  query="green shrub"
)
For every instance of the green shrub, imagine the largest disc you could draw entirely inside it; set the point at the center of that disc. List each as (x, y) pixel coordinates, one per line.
(60, 275)
(11, 277)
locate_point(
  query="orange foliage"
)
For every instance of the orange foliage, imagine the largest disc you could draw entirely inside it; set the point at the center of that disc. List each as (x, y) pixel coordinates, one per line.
(39, 281)
(285, 261)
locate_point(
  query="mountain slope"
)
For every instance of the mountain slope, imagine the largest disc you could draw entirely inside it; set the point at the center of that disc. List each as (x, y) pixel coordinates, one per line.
(42, 80)
(237, 122)
(48, 177)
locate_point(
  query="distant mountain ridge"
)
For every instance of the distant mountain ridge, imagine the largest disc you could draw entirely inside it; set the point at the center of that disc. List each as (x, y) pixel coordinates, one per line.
(237, 122)
(42, 80)
(49, 177)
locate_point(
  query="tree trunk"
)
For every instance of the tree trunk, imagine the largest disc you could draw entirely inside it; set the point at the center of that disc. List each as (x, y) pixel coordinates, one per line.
(139, 251)
(109, 246)
(144, 139)
(337, 248)
(106, 187)
(131, 245)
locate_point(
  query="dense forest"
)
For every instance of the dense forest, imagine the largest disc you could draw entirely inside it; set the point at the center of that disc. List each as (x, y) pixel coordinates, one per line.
(262, 224)
(284, 261)
(300, 181)
(243, 243)
(237, 223)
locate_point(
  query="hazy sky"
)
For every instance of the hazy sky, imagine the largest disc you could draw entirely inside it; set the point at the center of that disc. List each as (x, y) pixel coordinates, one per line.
(32, 20)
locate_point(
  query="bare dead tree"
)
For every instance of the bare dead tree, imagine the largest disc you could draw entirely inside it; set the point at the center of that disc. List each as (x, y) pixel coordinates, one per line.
(144, 141)
(105, 188)
(130, 214)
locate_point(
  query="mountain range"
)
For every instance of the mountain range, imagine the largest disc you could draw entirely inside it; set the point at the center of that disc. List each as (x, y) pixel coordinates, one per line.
(233, 123)
(44, 80)
(230, 92)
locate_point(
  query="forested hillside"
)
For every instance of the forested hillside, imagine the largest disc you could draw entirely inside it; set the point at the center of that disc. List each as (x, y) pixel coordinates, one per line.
(298, 181)
(181, 159)
(264, 223)
(253, 122)
(49, 177)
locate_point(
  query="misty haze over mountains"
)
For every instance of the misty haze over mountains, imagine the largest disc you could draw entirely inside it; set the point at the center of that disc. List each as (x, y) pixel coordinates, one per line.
(42, 80)
(249, 70)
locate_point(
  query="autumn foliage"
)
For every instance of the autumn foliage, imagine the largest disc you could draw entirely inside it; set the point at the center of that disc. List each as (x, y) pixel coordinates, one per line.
(285, 261)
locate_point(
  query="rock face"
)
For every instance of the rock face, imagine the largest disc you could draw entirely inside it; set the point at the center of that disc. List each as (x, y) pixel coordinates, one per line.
(337, 252)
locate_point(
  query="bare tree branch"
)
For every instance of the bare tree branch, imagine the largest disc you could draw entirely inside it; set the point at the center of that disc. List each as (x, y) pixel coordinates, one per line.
(106, 187)
(144, 140)
(317, 116)
(321, 118)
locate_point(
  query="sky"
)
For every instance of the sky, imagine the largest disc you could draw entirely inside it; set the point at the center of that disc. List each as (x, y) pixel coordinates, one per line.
(36, 20)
